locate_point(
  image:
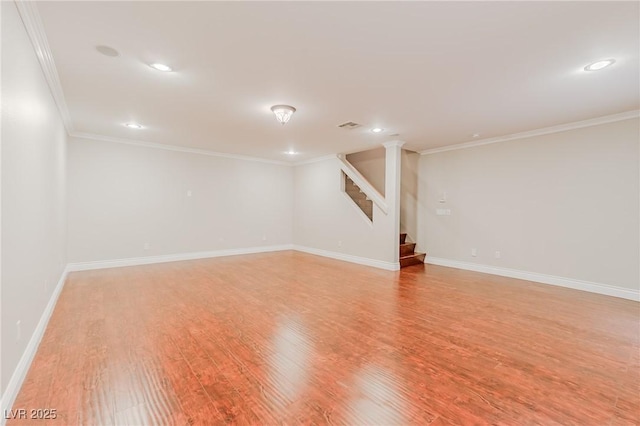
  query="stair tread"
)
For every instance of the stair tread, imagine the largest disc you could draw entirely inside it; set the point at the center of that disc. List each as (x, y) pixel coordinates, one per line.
(409, 256)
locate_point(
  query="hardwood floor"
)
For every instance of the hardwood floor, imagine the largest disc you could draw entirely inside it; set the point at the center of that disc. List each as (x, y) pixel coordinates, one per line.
(293, 338)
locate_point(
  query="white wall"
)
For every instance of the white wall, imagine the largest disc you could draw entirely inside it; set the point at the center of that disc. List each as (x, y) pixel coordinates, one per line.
(409, 194)
(124, 196)
(326, 219)
(33, 191)
(563, 204)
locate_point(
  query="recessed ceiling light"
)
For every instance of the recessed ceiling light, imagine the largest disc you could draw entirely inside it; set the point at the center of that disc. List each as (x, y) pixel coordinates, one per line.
(475, 135)
(377, 130)
(161, 67)
(133, 125)
(596, 66)
(291, 152)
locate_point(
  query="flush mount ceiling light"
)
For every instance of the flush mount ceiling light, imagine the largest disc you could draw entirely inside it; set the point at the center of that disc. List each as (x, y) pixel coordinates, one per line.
(597, 66)
(133, 126)
(377, 130)
(283, 113)
(160, 67)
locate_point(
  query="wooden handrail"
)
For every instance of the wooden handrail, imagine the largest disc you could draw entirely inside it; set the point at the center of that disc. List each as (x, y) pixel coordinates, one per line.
(363, 183)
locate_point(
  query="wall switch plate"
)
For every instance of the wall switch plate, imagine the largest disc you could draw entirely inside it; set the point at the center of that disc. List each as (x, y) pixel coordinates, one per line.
(146, 246)
(498, 255)
(474, 252)
(189, 193)
(339, 243)
(264, 238)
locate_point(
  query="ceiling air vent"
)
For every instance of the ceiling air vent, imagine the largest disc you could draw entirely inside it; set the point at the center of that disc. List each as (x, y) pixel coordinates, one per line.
(348, 125)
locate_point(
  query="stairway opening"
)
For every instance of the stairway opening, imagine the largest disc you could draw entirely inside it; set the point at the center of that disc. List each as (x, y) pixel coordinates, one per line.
(408, 256)
(358, 197)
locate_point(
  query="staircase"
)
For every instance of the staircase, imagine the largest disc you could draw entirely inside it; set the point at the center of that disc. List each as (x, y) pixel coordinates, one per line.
(358, 197)
(408, 256)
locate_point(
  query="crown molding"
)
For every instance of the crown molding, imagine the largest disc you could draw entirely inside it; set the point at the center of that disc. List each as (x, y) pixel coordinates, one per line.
(538, 132)
(33, 25)
(317, 159)
(176, 148)
(393, 143)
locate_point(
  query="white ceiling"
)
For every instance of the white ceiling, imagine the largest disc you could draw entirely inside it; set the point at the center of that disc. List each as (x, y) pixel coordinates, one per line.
(434, 72)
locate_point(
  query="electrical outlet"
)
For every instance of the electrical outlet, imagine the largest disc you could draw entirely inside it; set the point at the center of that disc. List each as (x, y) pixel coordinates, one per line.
(18, 331)
(474, 252)
(146, 246)
(498, 255)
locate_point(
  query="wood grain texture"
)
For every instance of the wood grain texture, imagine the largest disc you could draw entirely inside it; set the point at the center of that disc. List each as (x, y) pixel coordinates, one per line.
(290, 338)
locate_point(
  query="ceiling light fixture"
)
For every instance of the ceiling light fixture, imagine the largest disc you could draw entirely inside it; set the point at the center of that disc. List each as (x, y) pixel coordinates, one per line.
(377, 130)
(161, 67)
(475, 135)
(291, 152)
(133, 126)
(597, 66)
(283, 113)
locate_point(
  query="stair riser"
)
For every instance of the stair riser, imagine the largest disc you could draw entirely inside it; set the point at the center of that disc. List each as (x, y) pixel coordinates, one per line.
(416, 260)
(406, 250)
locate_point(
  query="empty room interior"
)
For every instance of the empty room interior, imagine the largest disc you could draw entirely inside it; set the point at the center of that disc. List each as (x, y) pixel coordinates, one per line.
(361, 213)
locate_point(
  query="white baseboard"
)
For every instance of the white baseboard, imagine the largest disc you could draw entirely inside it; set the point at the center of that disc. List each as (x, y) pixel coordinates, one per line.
(592, 287)
(133, 261)
(389, 266)
(20, 372)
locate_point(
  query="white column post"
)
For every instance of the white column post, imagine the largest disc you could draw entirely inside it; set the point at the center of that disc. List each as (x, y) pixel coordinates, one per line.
(393, 169)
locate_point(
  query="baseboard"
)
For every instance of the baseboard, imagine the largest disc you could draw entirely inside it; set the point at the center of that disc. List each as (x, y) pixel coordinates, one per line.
(20, 372)
(591, 287)
(389, 266)
(133, 261)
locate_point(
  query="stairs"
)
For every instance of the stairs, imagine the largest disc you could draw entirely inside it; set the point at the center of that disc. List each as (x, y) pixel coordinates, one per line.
(408, 256)
(358, 197)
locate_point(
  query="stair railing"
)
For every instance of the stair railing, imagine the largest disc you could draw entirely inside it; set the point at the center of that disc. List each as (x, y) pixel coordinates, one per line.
(363, 183)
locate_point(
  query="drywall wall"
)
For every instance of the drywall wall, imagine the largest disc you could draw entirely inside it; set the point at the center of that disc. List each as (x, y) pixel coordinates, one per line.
(409, 194)
(563, 204)
(371, 165)
(326, 219)
(127, 201)
(33, 192)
